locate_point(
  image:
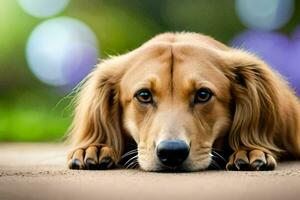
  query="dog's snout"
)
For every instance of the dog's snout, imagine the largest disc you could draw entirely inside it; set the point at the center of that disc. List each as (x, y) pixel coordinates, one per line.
(172, 153)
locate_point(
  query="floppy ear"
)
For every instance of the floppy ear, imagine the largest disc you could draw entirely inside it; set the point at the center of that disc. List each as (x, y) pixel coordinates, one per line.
(98, 113)
(257, 103)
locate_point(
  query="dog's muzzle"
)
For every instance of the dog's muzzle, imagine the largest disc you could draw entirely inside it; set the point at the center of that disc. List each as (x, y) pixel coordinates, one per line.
(172, 153)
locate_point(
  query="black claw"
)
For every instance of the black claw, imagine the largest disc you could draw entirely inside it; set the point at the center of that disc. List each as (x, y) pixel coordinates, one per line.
(232, 167)
(242, 165)
(258, 165)
(106, 163)
(269, 167)
(75, 164)
(91, 164)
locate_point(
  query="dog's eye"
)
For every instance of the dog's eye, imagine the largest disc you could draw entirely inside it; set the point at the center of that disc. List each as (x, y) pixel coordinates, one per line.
(144, 96)
(203, 95)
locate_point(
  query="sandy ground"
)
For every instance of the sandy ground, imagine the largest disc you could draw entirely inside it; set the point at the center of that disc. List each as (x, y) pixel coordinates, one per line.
(38, 171)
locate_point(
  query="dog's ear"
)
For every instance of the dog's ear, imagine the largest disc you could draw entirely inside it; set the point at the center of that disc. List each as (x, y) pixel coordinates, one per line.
(98, 113)
(257, 102)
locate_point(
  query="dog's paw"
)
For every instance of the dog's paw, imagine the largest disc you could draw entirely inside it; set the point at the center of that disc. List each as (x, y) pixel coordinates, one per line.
(254, 160)
(94, 157)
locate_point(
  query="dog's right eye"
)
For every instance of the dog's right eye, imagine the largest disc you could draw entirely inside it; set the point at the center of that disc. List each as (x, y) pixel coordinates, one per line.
(203, 95)
(144, 96)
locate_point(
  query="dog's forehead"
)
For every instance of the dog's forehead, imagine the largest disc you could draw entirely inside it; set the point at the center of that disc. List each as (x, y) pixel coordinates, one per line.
(161, 64)
(149, 66)
(193, 65)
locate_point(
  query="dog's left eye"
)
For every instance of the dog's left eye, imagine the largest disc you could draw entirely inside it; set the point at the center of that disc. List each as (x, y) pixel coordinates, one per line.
(144, 96)
(203, 95)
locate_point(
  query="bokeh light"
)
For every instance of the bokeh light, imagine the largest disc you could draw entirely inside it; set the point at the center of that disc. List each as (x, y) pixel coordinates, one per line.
(61, 51)
(279, 51)
(43, 8)
(270, 46)
(264, 14)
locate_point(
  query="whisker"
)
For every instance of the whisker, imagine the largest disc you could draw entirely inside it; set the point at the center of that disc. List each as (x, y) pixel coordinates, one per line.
(215, 164)
(128, 154)
(130, 160)
(133, 164)
(219, 155)
(137, 165)
(134, 151)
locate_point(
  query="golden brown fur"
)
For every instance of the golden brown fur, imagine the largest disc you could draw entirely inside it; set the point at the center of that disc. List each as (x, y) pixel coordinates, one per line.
(252, 108)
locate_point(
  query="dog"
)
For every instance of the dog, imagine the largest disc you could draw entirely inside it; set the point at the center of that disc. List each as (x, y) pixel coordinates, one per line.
(177, 101)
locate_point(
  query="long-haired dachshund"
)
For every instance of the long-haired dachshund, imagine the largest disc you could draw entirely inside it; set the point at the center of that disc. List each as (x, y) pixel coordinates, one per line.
(179, 102)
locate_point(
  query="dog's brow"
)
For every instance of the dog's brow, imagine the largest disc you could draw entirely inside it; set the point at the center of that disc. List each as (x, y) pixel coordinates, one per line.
(194, 84)
(150, 82)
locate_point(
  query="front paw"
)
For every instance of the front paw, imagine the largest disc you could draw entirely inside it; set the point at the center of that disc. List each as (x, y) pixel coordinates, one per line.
(94, 157)
(253, 160)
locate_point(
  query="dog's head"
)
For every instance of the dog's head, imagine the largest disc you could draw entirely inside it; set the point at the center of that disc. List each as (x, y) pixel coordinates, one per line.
(175, 96)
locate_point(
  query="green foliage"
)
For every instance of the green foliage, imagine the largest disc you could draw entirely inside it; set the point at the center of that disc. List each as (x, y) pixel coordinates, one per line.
(34, 118)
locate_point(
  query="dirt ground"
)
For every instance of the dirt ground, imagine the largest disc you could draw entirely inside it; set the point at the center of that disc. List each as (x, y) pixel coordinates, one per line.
(38, 171)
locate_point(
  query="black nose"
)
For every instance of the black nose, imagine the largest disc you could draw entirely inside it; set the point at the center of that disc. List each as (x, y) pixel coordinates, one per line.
(172, 153)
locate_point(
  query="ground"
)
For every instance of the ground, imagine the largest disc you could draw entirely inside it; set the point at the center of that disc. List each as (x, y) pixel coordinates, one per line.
(38, 171)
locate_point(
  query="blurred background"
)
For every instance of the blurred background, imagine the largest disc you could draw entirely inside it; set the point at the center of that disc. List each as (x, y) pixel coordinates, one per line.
(48, 46)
